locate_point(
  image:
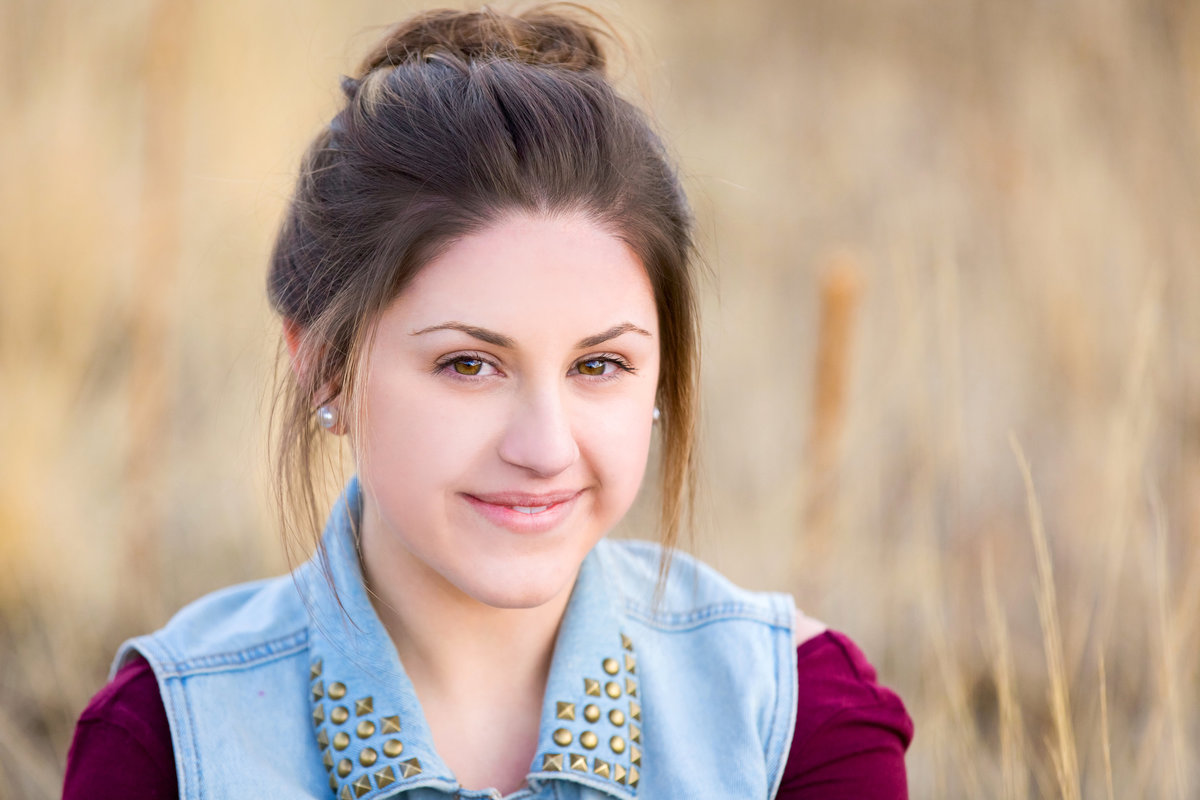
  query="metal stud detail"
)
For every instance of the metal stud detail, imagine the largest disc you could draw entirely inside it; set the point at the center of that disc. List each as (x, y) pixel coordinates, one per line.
(618, 773)
(318, 715)
(591, 712)
(591, 687)
(626, 643)
(368, 757)
(346, 795)
(364, 706)
(630, 663)
(339, 715)
(616, 717)
(344, 767)
(314, 671)
(365, 729)
(322, 738)
(389, 724)
(552, 762)
(385, 777)
(393, 748)
(589, 740)
(611, 666)
(327, 760)
(318, 690)
(362, 785)
(409, 768)
(635, 733)
(563, 737)
(613, 690)
(617, 744)
(630, 688)
(333, 783)
(564, 710)
(635, 755)
(341, 740)
(635, 710)
(337, 690)
(579, 762)
(633, 777)
(600, 768)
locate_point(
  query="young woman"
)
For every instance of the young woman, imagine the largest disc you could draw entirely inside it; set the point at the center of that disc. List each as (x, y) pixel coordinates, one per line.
(484, 280)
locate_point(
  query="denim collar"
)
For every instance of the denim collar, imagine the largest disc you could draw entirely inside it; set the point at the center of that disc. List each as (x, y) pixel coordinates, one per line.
(372, 735)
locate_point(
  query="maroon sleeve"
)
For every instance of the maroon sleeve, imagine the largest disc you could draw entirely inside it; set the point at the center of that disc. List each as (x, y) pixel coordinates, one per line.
(851, 733)
(122, 745)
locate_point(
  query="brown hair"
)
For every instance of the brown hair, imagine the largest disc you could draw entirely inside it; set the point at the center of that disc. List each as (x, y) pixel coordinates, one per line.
(454, 119)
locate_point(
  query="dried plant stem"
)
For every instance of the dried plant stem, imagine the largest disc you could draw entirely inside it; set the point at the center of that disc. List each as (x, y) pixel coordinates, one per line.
(1012, 726)
(1104, 737)
(1063, 753)
(1170, 689)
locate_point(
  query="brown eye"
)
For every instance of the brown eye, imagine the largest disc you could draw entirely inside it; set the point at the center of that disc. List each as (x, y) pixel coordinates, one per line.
(468, 366)
(594, 366)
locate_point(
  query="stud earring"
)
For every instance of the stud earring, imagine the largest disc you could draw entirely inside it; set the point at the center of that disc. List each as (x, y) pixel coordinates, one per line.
(657, 414)
(327, 417)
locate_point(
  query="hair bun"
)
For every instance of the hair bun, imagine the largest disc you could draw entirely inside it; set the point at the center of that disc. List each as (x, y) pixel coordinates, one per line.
(541, 36)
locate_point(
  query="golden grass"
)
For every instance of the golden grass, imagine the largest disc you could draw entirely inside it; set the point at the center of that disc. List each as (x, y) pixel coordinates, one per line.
(1017, 183)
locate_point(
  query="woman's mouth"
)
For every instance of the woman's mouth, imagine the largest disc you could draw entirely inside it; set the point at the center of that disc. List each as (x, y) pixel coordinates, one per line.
(524, 513)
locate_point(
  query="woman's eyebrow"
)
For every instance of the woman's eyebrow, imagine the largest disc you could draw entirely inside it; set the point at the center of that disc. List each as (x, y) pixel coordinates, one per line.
(500, 340)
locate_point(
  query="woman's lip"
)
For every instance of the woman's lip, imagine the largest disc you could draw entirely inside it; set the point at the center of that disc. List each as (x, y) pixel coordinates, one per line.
(540, 512)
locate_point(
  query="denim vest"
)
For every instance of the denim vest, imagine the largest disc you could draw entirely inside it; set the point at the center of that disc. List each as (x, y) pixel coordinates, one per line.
(275, 689)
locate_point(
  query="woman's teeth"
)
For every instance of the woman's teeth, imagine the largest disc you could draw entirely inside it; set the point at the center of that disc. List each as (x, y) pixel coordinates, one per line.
(529, 509)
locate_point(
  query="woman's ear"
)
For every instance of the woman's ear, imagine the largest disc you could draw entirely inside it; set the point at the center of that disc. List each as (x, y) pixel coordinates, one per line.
(329, 415)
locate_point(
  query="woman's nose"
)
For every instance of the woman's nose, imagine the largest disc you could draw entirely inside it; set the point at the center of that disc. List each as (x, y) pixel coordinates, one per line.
(538, 437)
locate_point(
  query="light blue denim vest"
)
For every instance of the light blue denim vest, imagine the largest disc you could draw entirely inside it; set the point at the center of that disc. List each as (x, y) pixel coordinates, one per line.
(274, 689)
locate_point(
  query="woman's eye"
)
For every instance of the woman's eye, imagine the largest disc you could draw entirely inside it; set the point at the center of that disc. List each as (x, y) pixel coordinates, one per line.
(605, 366)
(594, 366)
(468, 366)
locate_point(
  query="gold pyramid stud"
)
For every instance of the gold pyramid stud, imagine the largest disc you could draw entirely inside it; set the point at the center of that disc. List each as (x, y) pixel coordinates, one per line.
(346, 795)
(327, 760)
(630, 687)
(314, 671)
(565, 710)
(385, 777)
(389, 724)
(410, 768)
(333, 783)
(337, 690)
(579, 762)
(591, 687)
(625, 642)
(318, 690)
(318, 715)
(611, 666)
(322, 738)
(633, 777)
(362, 785)
(364, 706)
(552, 762)
(635, 710)
(618, 773)
(600, 768)
(635, 733)
(635, 755)
(630, 663)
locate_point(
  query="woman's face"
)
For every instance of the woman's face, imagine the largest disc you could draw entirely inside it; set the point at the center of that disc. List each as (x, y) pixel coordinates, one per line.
(509, 401)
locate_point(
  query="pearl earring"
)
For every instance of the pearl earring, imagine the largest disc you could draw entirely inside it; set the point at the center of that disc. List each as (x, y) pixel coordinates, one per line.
(327, 417)
(657, 413)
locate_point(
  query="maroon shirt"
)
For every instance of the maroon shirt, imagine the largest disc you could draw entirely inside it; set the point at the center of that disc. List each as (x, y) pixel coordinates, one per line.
(851, 734)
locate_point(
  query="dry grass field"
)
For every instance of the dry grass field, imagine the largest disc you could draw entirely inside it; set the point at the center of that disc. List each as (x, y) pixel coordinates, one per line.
(952, 345)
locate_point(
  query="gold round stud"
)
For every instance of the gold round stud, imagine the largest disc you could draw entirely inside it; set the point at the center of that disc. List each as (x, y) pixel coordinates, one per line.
(367, 757)
(344, 767)
(393, 748)
(591, 712)
(588, 740)
(611, 666)
(337, 690)
(341, 740)
(616, 716)
(613, 690)
(562, 737)
(617, 744)
(365, 729)
(339, 715)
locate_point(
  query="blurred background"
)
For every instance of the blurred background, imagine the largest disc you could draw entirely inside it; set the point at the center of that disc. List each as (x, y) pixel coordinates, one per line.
(952, 345)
